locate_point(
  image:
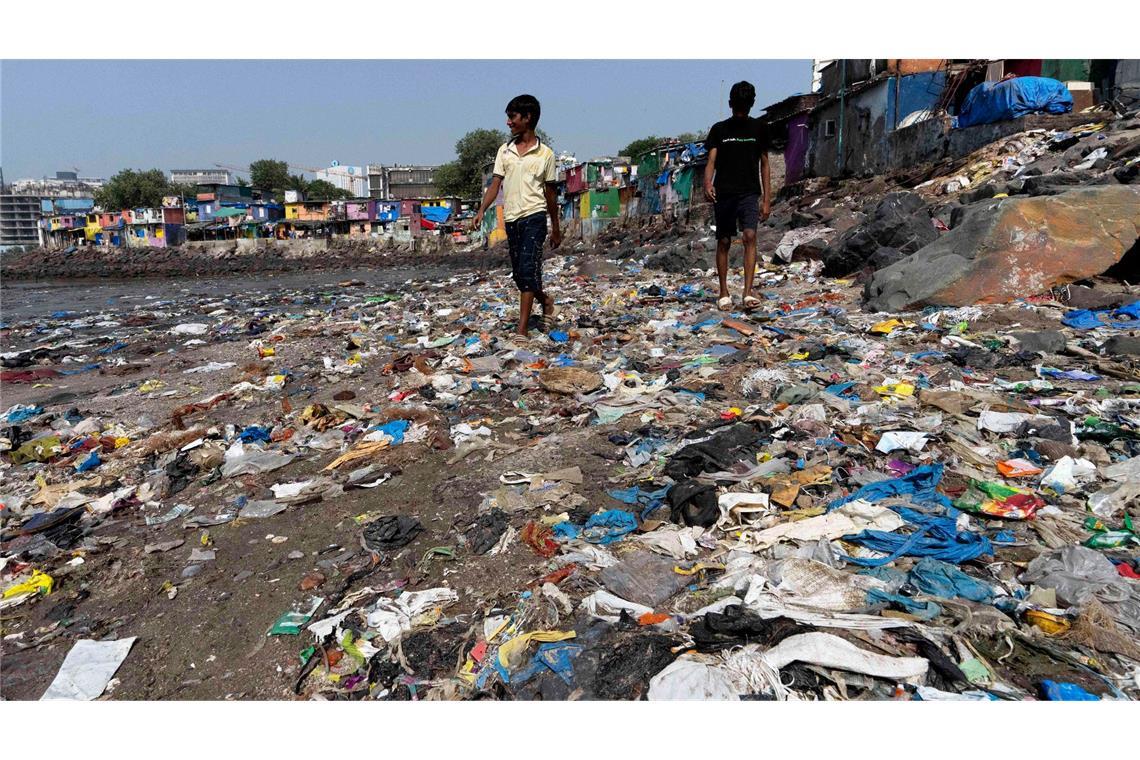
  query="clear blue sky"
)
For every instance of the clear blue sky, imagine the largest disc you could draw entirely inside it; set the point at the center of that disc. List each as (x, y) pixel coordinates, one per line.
(102, 116)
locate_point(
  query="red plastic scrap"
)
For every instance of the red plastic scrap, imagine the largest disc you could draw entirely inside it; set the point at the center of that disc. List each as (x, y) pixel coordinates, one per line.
(557, 576)
(539, 538)
(1126, 571)
(652, 618)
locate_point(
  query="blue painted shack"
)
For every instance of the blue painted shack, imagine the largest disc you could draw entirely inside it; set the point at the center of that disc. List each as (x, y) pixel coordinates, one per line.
(851, 127)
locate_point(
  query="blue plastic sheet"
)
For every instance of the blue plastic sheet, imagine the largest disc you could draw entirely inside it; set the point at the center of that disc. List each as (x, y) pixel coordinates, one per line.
(567, 530)
(80, 370)
(1069, 374)
(254, 433)
(843, 390)
(609, 526)
(944, 580)
(919, 483)
(23, 414)
(934, 535)
(647, 500)
(940, 541)
(1060, 691)
(557, 656)
(395, 429)
(926, 610)
(90, 463)
(1002, 101)
(1124, 318)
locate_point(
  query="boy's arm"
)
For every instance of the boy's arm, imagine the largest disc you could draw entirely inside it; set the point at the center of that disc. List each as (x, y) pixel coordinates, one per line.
(552, 209)
(766, 185)
(710, 170)
(488, 198)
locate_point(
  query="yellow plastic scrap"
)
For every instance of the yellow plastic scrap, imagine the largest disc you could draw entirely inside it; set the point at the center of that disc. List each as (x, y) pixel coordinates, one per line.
(151, 385)
(121, 441)
(514, 650)
(39, 582)
(889, 326)
(697, 568)
(800, 356)
(895, 389)
(1051, 625)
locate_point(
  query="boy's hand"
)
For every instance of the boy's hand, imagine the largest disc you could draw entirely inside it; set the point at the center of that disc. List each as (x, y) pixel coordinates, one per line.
(474, 224)
(765, 212)
(710, 192)
(555, 239)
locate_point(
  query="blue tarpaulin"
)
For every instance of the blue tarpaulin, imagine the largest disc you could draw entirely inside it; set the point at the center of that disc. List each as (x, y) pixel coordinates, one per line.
(437, 214)
(1012, 99)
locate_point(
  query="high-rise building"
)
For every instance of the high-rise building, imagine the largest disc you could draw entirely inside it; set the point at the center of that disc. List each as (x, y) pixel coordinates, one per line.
(19, 220)
(351, 178)
(62, 185)
(399, 182)
(202, 176)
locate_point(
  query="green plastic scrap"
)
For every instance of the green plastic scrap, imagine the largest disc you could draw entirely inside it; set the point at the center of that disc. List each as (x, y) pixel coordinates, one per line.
(1105, 538)
(289, 624)
(975, 671)
(39, 450)
(306, 653)
(438, 551)
(352, 650)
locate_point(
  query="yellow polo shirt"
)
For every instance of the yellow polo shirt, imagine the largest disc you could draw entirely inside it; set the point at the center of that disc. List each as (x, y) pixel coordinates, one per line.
(524, 178)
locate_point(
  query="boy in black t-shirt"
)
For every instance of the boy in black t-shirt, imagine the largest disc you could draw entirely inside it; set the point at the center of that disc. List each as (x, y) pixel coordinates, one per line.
(735, 175)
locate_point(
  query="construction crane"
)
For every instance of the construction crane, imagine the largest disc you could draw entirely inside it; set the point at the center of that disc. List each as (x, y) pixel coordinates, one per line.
(312, 170)
(233, 168)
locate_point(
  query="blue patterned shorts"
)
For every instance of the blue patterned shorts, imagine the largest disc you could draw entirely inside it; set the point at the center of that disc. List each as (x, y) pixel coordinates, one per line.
(525, 237)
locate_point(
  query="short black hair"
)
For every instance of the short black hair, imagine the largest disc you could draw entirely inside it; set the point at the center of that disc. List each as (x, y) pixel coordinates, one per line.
(742, 96)
(526, 105)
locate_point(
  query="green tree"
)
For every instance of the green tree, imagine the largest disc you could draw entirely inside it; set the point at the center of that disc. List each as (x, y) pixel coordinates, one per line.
(473, 151)
(269, 174)
(324, 190)
(637, 147)
(296, 182)
(688, 137)
(183, 190)
(464, 176)
(449, 180)
(132, 188)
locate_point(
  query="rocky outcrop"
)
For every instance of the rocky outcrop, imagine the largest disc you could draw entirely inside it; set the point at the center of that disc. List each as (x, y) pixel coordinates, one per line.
(1014, 247)
(900, 222)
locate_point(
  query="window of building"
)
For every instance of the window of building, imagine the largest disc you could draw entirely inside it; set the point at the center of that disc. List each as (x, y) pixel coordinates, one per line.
(829, 128)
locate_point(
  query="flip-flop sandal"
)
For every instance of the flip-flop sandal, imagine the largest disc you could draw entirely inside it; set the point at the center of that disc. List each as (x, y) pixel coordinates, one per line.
(515, 478)
(724, 304)
(550, 320)
(751, 302)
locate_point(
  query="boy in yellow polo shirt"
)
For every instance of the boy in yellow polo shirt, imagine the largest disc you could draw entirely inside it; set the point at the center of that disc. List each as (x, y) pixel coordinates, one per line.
(526, 170)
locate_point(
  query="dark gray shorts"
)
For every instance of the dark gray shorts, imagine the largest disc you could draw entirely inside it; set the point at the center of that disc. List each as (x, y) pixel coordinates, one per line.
(736, 212)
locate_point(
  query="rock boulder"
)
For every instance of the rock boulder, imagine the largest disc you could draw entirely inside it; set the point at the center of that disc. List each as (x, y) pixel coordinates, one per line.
(1014, 247)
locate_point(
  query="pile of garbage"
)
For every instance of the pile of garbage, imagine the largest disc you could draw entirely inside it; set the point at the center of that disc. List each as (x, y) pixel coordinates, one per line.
(381, 493)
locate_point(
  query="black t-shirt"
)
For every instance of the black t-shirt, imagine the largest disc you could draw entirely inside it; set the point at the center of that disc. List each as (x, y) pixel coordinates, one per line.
(739, 141)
